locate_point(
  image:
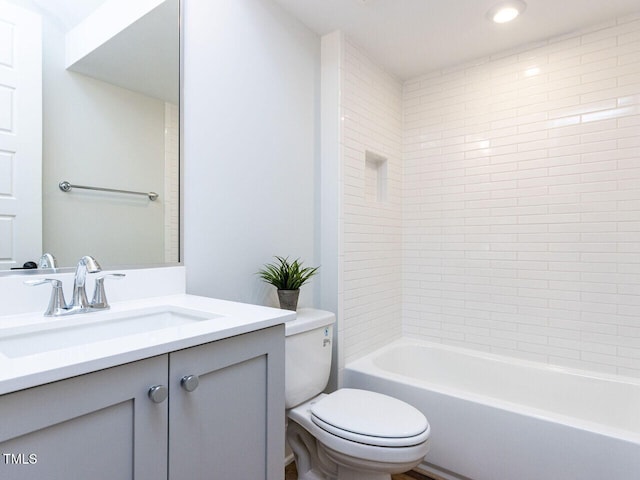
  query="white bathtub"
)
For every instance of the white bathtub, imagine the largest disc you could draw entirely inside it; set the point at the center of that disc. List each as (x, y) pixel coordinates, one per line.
(496, 418)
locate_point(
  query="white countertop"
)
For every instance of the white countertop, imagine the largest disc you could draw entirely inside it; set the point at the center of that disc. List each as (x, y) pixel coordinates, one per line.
(36, 369)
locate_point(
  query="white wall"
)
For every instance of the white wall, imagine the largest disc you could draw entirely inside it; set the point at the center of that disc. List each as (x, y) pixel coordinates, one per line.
(250, 120)
(102, 136)
(522, 202)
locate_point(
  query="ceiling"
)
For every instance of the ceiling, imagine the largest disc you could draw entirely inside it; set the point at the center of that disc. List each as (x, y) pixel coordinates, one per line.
(143, 57)
(412, 37)
(68, 12)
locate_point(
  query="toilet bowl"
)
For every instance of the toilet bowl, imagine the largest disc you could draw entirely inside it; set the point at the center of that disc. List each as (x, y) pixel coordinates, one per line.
(349, 434)
(360, 435)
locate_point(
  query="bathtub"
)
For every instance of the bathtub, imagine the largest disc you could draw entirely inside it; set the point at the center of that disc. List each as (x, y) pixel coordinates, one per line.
(498, 418)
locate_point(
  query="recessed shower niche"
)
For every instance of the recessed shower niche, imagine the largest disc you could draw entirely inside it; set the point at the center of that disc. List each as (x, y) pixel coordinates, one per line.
(375, 177)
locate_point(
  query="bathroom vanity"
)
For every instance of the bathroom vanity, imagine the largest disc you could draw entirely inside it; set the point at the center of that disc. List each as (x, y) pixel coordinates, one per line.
(193, 399)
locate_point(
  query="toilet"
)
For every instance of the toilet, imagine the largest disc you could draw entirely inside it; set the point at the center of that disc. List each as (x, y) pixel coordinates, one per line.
(349, 434)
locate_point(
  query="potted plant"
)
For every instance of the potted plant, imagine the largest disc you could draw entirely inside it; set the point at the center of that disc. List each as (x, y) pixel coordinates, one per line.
(287, 277)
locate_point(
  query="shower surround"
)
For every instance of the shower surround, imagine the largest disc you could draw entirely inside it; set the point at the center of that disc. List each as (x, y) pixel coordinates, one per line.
(494, 205)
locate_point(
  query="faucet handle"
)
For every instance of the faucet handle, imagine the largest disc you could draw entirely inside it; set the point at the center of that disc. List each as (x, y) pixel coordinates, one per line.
(57, 303)
(32, 283)
(99, 300)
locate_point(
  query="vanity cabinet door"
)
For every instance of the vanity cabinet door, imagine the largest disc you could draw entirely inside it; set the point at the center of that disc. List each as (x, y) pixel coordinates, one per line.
(99, 426)
(232, 424)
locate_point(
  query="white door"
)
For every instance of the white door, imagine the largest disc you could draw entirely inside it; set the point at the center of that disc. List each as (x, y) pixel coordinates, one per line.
(20, 136)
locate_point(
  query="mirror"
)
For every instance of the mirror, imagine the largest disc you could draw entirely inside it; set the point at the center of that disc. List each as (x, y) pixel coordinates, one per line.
(104, 92)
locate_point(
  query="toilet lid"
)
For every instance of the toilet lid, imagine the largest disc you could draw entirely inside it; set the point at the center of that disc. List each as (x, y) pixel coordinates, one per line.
(371, 418)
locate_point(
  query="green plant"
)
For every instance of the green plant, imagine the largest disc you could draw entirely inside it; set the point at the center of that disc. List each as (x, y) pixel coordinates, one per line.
(285, 275)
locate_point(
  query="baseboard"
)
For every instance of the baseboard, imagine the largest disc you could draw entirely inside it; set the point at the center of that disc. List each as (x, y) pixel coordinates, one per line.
(437, 473)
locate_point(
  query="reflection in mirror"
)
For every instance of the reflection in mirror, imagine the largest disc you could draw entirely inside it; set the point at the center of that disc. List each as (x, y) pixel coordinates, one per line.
(89, 95)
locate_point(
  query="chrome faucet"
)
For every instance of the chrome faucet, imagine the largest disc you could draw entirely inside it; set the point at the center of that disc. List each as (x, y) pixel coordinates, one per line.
(79, 304)
(79, 301)
(47, 261)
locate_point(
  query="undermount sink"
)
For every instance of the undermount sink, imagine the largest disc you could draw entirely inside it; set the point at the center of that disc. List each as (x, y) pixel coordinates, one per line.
(94, 327)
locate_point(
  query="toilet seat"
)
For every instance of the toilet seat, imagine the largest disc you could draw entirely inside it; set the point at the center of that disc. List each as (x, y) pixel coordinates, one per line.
(370, 418)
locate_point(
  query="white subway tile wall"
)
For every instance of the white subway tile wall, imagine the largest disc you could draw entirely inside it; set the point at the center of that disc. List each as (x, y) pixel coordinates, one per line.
(371, 110)
(521, 203)
(171, 198)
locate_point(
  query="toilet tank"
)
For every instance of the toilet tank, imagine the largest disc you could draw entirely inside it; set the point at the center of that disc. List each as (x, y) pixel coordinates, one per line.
(308, 341)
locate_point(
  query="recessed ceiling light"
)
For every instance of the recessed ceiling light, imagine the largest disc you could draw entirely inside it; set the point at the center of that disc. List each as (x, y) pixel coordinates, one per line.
(504, 12)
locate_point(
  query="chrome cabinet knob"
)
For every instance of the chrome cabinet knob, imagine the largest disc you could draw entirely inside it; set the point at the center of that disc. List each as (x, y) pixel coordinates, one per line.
(190, 382)
(158, 393)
